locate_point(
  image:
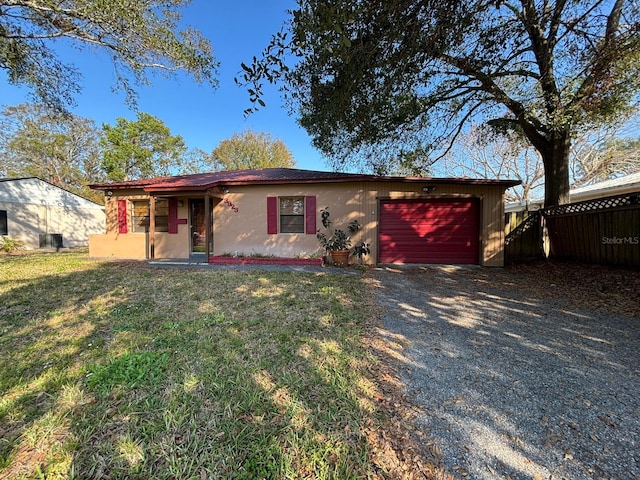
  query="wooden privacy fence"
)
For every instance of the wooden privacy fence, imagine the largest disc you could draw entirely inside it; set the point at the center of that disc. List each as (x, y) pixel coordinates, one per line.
(603, 231)
(525, 242)
(512, 220)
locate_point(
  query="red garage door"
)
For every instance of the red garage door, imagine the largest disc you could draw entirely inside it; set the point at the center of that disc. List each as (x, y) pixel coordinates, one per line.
(429, 231)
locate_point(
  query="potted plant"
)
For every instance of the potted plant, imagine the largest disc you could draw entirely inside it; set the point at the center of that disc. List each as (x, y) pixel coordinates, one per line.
(360, 250)
(336, 241)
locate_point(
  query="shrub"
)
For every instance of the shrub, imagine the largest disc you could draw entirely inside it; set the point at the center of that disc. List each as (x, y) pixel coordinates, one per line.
(10, 245)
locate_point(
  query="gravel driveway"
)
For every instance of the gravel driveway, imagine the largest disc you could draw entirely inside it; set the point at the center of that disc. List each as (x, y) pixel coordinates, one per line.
(515, 380)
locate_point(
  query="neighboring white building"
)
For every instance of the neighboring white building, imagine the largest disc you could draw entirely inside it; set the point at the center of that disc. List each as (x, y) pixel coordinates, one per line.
(40, 214)
(608, 188)
(615, 186)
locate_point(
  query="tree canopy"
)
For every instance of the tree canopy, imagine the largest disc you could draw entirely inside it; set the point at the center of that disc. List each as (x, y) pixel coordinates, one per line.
(482, 153)
(604, 154)
(140, 148)
(138, 36)
(596, 155)
(372, 81)
(248, 150)
(62, 149)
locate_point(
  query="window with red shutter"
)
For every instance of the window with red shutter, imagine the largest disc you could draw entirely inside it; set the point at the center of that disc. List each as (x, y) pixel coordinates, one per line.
(292, 214)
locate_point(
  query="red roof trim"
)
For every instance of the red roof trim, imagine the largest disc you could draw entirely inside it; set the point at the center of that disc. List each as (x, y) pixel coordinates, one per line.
(277, 176)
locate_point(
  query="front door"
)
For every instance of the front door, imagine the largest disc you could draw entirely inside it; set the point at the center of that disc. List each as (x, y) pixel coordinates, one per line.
(199, 227)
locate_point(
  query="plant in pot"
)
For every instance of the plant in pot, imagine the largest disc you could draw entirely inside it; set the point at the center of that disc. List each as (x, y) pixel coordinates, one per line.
(360, 250)
(336, 241)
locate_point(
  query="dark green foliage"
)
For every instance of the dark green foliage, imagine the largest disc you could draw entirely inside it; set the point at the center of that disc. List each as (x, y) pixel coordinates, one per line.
(374, 80)
(361, 249)
(140, 148)
(138, 37)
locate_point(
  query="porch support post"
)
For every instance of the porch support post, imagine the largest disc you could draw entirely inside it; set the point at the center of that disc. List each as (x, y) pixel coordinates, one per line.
(207, 223)
(152, 227)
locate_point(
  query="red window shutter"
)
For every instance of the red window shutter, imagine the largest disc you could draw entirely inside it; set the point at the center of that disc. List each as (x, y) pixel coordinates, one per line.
(310, 215)
(272, 215)
(173, 215)
(122, 216)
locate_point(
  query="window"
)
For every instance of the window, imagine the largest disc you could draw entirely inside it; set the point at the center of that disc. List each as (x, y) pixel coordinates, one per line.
(4, 227)
(292, 214)
(162, 215)
(140, 215)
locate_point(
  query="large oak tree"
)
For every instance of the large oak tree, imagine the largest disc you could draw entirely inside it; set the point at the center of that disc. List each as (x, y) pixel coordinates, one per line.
(379, 78)
(139, 36)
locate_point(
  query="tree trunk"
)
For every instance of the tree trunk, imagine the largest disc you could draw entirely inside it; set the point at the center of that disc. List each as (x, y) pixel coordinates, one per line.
(555, 157)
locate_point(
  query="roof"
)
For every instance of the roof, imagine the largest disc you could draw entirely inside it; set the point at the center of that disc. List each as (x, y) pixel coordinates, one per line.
(33, 190)
(13, 179)
(270, 176)
(607, 188)
(614, 185)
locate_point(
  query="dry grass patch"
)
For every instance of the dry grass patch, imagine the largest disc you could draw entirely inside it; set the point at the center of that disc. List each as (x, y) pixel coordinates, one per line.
(120, 370)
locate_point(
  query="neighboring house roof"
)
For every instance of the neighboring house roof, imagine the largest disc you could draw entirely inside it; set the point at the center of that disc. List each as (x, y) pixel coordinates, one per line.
(33, 190)
(203, 181)
(616, 186)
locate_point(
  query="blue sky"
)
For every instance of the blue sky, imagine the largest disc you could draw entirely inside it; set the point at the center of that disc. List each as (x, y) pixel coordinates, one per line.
(238, 30)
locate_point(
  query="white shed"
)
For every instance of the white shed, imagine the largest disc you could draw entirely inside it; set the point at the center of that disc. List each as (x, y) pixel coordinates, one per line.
(40, 214)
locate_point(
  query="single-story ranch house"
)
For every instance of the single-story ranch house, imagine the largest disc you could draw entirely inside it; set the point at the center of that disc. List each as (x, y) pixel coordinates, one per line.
(277, 212)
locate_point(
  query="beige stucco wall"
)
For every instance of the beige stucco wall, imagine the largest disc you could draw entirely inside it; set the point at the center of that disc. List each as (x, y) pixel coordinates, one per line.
(136, 245)
(26, 221)
(121, 246)
(245, 232)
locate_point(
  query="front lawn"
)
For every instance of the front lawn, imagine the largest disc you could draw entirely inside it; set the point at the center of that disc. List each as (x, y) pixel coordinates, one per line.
(121, 370)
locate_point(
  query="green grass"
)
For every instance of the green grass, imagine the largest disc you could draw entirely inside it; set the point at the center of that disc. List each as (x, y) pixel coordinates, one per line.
(116, 370)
